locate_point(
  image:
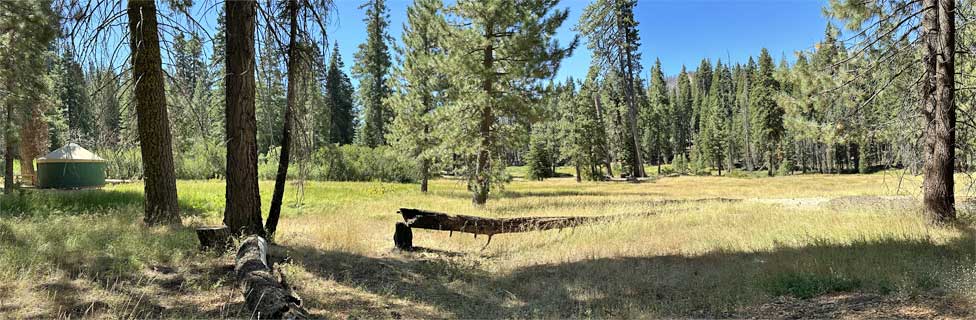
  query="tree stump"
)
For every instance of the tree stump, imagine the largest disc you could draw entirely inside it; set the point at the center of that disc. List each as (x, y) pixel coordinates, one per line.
(265, 296)
(215, 238)
(403, 237)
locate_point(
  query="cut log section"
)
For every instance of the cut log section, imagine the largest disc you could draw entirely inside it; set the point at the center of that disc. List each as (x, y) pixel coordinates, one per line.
(215, 238)
(264, 295)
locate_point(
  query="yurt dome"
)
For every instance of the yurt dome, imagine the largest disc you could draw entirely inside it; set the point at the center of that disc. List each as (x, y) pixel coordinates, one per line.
(70, 166)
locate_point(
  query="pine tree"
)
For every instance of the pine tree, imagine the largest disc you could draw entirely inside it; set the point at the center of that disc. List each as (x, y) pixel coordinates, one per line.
(76, 103)
(242, 210)
(717, 114)
(417, 85)
(611, 29)
(767, 115)
(500, 50)
(271, 93)
(700, 92)
(338, 119)
(683, 114)
(371, 69)
(658, 115)
(153, 118)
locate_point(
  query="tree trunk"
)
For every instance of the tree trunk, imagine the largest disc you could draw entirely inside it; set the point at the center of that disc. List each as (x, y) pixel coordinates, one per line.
(295, 60)
(579, 178)
(483, 170)
(153, 121)
(606, 141)
(8, 152)
(424, 175)
(242, 212)
(938, 89)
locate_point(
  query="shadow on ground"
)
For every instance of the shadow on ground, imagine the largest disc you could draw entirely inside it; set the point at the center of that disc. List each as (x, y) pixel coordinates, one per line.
(720, 284)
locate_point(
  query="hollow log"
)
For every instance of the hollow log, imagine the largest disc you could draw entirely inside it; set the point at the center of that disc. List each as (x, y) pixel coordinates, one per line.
(215, 238)
(264, 295)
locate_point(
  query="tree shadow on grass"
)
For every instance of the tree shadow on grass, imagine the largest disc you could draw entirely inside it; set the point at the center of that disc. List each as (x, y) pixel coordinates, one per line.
(717, 284)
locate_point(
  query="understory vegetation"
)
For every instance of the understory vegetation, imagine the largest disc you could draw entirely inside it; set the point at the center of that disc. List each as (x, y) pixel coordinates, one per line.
(694, 247)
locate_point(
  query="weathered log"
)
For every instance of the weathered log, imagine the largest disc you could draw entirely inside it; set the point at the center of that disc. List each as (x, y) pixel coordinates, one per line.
(403, 236)
(215, 238)
(423, 219)
(264, 295)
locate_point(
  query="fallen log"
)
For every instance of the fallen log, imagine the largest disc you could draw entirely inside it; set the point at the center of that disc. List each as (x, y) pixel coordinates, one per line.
(431, 220)
(423, 219)
(264, 295)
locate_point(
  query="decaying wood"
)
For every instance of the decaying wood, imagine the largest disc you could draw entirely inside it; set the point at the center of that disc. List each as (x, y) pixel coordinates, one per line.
(215, 238)
(264, 295)
(403, 237)
(423, 219)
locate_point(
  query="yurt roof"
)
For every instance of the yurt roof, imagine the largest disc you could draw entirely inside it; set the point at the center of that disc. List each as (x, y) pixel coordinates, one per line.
(70, 153)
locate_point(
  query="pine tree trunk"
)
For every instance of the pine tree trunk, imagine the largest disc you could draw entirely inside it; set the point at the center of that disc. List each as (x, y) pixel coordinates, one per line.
(242, 212)
(8, 152)
(938, 89)
(606, 141)
(153, 121)
(424, 175)
(295, 59)
(483, 170)
(579, 178)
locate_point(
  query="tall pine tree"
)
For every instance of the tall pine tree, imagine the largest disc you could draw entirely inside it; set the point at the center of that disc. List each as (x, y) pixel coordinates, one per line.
(372, 69)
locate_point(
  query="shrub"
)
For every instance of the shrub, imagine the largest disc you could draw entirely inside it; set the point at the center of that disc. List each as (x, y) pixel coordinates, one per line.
(680, 164)
(124, 163)
(785, 168)
(203, 160)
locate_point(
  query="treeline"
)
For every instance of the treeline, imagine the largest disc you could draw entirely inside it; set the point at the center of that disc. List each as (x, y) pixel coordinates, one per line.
(811, 115)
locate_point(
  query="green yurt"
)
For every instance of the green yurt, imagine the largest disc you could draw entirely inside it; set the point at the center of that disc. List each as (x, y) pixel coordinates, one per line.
(71, 166)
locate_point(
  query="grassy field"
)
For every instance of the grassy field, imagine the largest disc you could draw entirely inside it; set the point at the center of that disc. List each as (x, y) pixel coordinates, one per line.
(784, 241)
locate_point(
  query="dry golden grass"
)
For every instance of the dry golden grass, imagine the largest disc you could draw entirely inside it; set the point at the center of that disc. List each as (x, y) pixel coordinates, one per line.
(87, 254)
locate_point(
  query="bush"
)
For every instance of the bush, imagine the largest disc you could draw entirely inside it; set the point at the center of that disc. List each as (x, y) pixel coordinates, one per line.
(202, 160)
(125, 163)
(785, 168)
(360, 163)
(680, 164)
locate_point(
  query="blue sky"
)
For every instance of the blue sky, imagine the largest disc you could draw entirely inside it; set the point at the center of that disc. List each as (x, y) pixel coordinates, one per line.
(676, 31)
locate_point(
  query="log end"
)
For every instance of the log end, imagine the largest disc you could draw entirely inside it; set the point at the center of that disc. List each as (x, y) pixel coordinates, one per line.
(215, 238)
(403, 236)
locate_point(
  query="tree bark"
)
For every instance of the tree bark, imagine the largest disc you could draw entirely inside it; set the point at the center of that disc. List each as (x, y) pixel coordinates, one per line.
(265, 296)
(938, 89)
(294, 71)
(242, 212)
(153, 121)
(483, 170)
(8, 152)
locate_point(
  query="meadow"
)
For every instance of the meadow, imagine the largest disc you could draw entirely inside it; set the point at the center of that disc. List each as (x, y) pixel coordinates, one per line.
(804, 245)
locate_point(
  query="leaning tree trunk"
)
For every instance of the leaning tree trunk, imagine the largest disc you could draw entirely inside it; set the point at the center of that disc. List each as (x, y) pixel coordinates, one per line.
(242, 212)
(152, 118)
(939, 30)
(294, 66)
